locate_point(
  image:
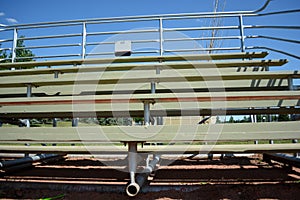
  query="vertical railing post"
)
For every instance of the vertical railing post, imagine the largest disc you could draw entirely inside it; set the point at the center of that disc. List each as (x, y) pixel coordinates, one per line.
(241, 23)
(83, 43)
(14, 45)
(161, 47)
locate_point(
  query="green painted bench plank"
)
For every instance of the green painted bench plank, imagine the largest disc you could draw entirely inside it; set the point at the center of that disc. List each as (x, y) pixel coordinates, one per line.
(220, 56)
(148, 66)
(140, 77)
(167, 133)
(170, 149)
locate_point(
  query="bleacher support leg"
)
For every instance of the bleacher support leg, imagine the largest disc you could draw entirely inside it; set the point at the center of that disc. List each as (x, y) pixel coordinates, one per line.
(133, 188)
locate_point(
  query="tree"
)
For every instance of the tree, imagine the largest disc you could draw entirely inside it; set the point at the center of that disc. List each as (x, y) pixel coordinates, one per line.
(23, 54)
(284, 117)
(231, 120)
(3, 55)
(218, 120)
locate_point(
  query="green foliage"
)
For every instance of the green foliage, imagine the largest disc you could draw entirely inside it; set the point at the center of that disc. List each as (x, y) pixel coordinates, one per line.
(231, 120)
(138, 120)
(3, 55)
(108, 121)
(218, 121)
(244, 120)
(23, 54)
(280, 118)
(284, 117)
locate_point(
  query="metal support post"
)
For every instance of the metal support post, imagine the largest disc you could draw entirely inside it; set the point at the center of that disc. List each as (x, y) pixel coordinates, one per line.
(29, 90)
(29, 94)
(295, 154)
(83, 44)
(242, 33)
(269, 118)
(158, 69)
(146, 113)
(253, 119)
(56, 74)
(75, 122)
(153, 87)
(54, 121)
(290, 83)
(133, 188)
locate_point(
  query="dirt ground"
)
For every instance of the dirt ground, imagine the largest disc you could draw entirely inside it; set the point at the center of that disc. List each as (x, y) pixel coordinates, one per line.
(83, 177)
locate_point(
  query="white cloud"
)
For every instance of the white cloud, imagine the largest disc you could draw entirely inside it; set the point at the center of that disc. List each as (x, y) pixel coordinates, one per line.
(2, 14)
(11, 20)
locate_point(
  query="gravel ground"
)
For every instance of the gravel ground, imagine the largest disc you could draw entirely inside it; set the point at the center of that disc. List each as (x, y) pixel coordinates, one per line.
(83, 177)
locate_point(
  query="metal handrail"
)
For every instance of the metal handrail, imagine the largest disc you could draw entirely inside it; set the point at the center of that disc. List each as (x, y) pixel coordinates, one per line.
(141, 17)
(160, 31)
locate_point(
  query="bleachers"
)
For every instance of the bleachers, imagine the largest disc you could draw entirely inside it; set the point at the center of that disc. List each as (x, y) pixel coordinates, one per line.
(189, 85)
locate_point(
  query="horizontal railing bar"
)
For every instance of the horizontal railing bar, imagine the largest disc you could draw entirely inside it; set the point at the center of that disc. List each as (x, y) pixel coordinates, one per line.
(113, 42)
(142, 52)
(205, 16)
(122, 32)
(274, 38)
(200, 28)
(6, 40)
(279, 12)
(46, 25)
(202, 49)
(49, 46)
(272, 27)
(52, 36)
(99, 54)
(143, 17)
(5, 49)
(48, 56)
(275, 50)
(112, 53)
(121, 20)
(202, 38)
(4, 29)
